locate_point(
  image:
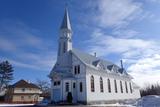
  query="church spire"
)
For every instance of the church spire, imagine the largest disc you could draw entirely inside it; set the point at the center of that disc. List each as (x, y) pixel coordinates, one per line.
(66, 21)
(65, 37)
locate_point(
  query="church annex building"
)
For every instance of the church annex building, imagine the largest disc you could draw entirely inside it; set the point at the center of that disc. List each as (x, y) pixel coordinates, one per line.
(89, 78)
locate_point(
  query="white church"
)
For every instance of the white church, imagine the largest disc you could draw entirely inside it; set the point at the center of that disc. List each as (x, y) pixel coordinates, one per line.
(89, 78)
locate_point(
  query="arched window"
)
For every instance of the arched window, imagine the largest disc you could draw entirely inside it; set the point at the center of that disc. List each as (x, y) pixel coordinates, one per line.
(109, 86)
(101, 84)
(115, 85)
(92, 83)
(130, 87)
(121, 86)
(126, 87)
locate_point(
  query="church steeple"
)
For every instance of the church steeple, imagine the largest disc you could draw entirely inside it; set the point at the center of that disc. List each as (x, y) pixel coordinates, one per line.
(66, 21)
(65, 37)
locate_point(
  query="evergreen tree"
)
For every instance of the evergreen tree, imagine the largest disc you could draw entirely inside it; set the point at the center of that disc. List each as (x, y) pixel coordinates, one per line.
(6, 74)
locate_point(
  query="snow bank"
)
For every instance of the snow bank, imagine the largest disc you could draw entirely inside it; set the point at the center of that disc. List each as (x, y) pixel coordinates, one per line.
(149, 101)
(3, 105)
(112, 105)
(146, 101)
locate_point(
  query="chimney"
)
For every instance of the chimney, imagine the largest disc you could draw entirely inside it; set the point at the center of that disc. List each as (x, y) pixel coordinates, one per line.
(121, 64)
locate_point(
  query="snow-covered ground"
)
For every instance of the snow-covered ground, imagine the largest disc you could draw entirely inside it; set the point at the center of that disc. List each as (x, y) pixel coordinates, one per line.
(3, 105)
(147, 101)
(112, 105)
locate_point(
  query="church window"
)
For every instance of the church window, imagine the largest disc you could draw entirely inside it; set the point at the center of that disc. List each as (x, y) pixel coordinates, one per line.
(23, 89)
(92, 83)
(101, 84)
(74, 85)
(121, 86)
(77, 69)
(67, 87)
(115, 85)
(80, 87)
(64, 47)
(109, 86)
(126, 87)
(57, 83)
(130, 87)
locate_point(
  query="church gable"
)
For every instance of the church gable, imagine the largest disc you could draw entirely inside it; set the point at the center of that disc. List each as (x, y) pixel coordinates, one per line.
(99, 65)
(78, 66)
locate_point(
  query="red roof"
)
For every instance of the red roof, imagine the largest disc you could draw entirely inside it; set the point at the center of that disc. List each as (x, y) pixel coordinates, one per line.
(24, 84)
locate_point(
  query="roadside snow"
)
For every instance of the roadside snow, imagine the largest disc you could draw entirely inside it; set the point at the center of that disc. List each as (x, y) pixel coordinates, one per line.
(146, 101)
(112, 105)
(3, 105)
(149, 101)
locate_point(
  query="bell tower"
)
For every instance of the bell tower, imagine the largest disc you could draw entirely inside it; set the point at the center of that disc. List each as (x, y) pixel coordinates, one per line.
(64, 60)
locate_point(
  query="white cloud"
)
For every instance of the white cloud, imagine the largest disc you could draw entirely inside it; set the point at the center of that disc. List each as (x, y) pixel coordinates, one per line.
(117, 12)
(41, 63)
(125, 33)
(142, 56)
(24, 47)
(106, 44)
(153, 1)
(6, 45)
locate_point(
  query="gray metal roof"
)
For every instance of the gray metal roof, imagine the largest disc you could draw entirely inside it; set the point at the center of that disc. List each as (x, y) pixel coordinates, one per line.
(93, 61)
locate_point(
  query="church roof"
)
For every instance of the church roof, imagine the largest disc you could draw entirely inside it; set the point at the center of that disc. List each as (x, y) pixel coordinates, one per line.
(94, 61)
(66, 21)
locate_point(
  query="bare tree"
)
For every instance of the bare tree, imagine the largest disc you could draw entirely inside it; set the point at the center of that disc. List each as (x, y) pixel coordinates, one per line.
(153, 89)
(44, 85)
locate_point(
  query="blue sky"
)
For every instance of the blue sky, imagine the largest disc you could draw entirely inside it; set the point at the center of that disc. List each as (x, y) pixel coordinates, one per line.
(114, 29)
